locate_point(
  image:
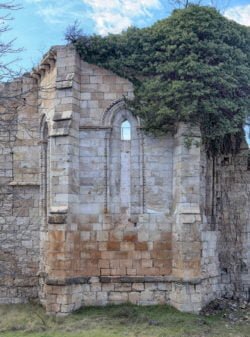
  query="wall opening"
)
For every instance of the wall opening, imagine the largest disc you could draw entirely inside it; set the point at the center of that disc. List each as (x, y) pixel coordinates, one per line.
(125, 179)
(45, 172)
(125, 130)
(123, 183)
(247, 131)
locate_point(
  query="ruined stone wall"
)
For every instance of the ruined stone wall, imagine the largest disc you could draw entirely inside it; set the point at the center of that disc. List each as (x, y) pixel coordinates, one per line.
(103, 232)
(125, 216)
(19, 191)
(100, 219)
(232, 193)
(225, 232)
(29, 103)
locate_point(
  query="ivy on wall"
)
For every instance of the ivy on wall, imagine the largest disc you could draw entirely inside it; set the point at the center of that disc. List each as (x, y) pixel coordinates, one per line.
(193, 66)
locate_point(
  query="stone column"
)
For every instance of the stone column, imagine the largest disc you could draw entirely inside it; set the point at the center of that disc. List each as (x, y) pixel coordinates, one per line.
(187, 219)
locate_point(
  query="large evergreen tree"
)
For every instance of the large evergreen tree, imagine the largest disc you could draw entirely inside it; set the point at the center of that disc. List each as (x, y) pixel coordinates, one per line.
(193, 66)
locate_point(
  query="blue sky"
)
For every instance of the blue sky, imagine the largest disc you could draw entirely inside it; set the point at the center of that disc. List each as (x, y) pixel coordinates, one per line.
(42, 23)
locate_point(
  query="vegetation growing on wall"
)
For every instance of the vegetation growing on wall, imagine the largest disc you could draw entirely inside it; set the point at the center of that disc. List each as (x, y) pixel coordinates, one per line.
(193, 67)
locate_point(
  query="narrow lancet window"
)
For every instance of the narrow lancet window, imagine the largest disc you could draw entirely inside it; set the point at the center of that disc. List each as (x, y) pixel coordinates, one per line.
(125, 130)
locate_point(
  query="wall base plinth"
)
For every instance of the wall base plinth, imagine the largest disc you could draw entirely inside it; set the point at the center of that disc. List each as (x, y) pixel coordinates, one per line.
(68, 295)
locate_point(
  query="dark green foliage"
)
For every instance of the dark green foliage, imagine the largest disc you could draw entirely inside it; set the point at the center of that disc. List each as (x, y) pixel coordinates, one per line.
(193, 67)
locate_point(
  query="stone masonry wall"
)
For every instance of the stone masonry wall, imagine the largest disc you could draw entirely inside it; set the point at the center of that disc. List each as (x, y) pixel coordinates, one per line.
(103, 242)
(225, 230)
(232, 193)
(90, 291)
(115, 242)
(133, 244)
(19, 192)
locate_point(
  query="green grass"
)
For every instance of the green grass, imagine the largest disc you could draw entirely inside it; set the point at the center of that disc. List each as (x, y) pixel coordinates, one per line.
(115, 321)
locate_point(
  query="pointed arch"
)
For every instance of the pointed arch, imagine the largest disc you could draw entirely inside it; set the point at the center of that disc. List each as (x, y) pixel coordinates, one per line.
(118, 107)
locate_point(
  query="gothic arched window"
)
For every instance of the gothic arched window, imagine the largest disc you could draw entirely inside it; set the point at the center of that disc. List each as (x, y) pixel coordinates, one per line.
(124, 197)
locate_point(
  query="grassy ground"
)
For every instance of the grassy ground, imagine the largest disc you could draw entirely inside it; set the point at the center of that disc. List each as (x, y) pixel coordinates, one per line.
(116, 321)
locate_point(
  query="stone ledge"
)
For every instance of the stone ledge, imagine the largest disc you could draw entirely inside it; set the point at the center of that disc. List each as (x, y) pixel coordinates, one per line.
(67, 281)
(59, 209)
(61, 128)
(94, 127)
(134, 279)
(23, 183)
(102, 127)
(123, 279)
(148, 279)
(65, 82)
(64, 115)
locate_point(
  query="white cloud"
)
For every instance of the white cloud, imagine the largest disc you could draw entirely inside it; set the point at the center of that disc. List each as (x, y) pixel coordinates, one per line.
(109, 16)
(113, 16)
(240, 14)
(56, 11)
(55, 14)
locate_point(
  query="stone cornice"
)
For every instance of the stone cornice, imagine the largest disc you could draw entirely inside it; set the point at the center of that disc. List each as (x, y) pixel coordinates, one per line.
(46, 64)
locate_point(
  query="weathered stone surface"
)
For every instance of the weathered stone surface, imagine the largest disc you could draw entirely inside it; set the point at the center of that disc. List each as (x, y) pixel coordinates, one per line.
(90, 217)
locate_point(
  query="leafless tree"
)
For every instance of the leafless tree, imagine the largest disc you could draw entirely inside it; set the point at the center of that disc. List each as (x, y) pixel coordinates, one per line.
(8, 99)
(182, 3)
(7, 46)
(219, 4)
(73, 32)
(12, 96)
